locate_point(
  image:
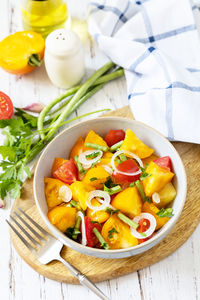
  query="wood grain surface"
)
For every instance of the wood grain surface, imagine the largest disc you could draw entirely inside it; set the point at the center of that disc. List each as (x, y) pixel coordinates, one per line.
(102, 269)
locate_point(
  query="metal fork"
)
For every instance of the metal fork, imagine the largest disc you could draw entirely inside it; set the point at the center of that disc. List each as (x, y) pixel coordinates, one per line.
(46, 248)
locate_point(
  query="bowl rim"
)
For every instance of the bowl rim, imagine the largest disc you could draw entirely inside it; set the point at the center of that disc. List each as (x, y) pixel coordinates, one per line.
(73, 244)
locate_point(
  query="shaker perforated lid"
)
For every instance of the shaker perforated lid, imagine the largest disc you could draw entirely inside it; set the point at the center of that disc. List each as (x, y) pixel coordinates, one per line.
(63, 42)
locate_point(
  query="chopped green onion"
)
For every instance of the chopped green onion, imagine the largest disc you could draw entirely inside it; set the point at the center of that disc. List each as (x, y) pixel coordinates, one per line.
(93, 178)
(95, 222)
(143, 234)
(122, 157)
(128, 221)
(79, 165)
(116, 146)
(96, 146)
(101, 239)
(141, 191)
(113, 190)
(165, 212)
(74, 204)
(77, 228)
(132, 184)
(93, 155)
(118, 161)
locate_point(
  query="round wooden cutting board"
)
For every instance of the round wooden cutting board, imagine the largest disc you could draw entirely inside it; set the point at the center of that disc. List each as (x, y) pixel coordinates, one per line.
(98, 269)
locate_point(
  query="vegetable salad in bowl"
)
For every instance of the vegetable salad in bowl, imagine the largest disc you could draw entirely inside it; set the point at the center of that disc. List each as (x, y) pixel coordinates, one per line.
(112, 192)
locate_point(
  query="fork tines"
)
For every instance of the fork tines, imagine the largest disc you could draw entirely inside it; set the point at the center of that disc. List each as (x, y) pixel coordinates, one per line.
(36, 238)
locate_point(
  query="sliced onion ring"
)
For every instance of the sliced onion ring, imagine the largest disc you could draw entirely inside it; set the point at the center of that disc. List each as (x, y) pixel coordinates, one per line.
(156, 198)
(84, 239)
(151, 228)
(88, 162)
(98, 193)
(129, 154)
(107, 169)
(65, 193)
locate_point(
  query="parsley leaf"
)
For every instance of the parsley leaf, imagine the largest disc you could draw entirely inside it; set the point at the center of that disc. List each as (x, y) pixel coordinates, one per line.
(112, 211)
(110, 232)
(93, 178)
(8, 152)
(165, 212)
(144, 174)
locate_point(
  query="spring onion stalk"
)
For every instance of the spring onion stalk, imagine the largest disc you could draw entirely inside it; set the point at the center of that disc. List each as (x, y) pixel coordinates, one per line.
(78, 95)
(41, 143)
(116, 146)
(77, 228)
(102, 80)
(128, 221)
(101, 239)
(140, 190)
(96, 146)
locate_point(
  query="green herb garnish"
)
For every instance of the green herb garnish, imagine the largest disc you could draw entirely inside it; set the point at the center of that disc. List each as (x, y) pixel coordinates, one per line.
(141, 191)
(116, 146)
(110, 232)
(165, 212)
(128, 221)
(79, 165)
(132, 184)
(144, 174)
(113, 190)
(93, 178)
(95, 222)
(112, 211)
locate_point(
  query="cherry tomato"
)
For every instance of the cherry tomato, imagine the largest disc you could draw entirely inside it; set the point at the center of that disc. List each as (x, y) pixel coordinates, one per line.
(164, 162)
(114, 136)
(67, 172)
(143, 226)
(90, 236)
(6, 107)
(127, 166)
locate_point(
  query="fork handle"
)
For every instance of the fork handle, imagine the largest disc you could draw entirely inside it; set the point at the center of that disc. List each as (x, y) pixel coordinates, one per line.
(83, 279)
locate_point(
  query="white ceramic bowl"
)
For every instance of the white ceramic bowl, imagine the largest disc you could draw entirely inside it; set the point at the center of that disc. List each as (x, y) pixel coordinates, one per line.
(61, 145)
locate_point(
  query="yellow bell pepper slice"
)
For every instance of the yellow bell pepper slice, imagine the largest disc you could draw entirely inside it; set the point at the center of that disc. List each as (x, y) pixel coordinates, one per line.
(96, 177)
(99, 216)
(120, 237)
(133, 144)
(62, 217)
(52, 187)
(152, 209)
(158, 179)
(129, 202)
(94, 138)
(167, 195)
(80, 191)
(77, 148)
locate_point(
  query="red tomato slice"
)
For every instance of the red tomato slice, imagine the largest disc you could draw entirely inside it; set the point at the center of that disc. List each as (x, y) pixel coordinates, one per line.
(164, 162)
(90, 236)
(6, 107)
(127, 166)
(143, 226)
(67, 172)
(114, 136)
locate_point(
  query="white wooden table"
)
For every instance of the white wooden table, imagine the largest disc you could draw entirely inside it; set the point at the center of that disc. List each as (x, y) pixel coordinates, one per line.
(176, 277)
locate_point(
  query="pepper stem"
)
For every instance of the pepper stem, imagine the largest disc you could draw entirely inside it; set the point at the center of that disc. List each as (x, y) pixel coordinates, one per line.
(34, 60)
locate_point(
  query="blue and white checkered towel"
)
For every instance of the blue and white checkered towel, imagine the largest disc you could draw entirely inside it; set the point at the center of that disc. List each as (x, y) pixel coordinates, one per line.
(157, 43)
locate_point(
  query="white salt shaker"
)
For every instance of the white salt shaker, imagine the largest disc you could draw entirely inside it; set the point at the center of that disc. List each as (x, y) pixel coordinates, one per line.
(64, 58)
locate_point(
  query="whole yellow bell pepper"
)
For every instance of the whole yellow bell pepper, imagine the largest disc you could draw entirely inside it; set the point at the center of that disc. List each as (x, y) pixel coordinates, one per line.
(117, 234)
(21, 52)
(133, 144)
(158, 178)
(128, 201)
